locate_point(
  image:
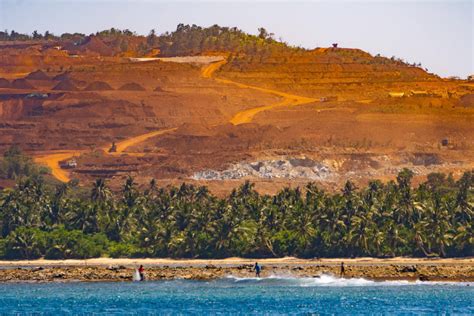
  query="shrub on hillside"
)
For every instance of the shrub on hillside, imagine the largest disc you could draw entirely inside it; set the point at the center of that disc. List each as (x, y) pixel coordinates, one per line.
(15, 164)
(124, 250)
(60, 243)
(2, 247)
(25, 243)
(74, 244)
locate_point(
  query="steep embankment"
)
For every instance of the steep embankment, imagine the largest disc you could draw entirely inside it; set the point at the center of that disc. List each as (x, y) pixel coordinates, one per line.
(247, 116)
(52, 160)
(123, 145)
(348, 74)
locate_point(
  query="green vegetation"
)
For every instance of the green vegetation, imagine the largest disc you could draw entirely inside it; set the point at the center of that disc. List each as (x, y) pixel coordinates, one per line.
(15, 164)
(186, 40)
(191, 40)
(382, 220)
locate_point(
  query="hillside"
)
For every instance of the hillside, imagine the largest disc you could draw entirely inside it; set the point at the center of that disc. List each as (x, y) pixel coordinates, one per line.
(262, 110)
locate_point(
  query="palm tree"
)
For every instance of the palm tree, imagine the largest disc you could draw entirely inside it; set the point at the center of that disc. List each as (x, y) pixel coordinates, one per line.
(188, 221)
(82, 216)
(394, 238)
(404, 187)
(100, 192)
(59, 204)
(29, 243)
(464, 185)
(464, 240)
(130, 194)
(27, 205)
(359, 234)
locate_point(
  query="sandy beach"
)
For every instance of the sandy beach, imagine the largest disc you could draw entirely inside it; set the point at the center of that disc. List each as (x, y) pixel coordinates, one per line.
(107, 269)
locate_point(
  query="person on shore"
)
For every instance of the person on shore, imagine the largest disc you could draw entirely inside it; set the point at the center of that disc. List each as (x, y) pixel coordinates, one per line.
(257, 269)
(342, 269)
(141, 272)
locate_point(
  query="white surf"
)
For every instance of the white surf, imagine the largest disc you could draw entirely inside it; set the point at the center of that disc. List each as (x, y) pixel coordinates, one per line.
(331, 280)
(136, 276)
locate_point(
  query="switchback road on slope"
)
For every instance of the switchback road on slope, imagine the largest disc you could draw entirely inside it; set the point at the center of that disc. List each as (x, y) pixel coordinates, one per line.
(52, 159)
(247, 116)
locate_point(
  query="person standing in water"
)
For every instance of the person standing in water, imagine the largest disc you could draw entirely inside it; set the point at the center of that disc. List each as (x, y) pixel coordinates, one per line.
(257, 269)
(342, 269)
(141, 272)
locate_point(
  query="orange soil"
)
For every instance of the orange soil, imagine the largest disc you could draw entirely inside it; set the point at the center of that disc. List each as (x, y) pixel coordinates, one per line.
(52, 161)
(358, 130)
(247, 116)
(208, 71)
(123, 145)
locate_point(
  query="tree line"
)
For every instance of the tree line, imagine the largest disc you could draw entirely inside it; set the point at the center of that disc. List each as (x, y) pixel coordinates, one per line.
(192, 40)
(14, 164)
(47, 36)
(185, 40)
(390, 219)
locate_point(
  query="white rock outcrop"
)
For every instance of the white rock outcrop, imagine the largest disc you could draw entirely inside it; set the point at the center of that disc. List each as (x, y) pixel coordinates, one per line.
(291, 168)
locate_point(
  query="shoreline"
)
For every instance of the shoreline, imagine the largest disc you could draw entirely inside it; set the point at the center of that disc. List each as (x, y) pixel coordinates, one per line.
(107, 269)
(232, 261)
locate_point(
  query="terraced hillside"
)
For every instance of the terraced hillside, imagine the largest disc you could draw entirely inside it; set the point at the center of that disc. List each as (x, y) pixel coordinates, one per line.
(331, 72)
(273, 114)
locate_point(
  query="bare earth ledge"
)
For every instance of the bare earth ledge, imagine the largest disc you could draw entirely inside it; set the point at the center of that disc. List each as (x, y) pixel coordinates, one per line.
(107, 269)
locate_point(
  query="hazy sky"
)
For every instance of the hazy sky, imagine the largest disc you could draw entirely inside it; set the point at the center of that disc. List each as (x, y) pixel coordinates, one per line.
(439, 34)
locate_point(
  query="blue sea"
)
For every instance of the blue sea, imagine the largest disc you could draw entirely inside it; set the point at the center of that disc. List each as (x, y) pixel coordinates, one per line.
(275, 295)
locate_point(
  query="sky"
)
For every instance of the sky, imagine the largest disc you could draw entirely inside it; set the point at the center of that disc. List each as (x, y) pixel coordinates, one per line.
(439, 34)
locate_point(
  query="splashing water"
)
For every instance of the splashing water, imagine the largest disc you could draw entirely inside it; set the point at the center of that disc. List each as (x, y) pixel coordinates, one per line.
(273, 295)
(330, 280)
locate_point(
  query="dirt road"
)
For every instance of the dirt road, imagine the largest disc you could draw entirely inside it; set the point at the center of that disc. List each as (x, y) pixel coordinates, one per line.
(52, 159)
(123, 145)
(247, 116)
(209, 70)
(288, 100)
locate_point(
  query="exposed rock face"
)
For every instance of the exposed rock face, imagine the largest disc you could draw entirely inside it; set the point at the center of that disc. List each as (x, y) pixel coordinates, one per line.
(4, 83)
(425, 159)
(344, 70)
(467, 100)
(291, 168)
(66, 85)
(37, 75)
(62, 76)
(353, 128)
(21, 84)
(132, 86)
(98, 86)
(92, 45)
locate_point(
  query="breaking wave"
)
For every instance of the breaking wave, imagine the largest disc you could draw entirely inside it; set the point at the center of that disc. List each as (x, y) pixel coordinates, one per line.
(330, 280)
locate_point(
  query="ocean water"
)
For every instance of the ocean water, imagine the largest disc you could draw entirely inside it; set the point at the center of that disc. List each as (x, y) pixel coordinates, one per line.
(275, 295)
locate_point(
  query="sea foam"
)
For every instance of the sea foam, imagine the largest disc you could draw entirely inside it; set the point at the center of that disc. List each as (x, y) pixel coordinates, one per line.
(331, 280)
